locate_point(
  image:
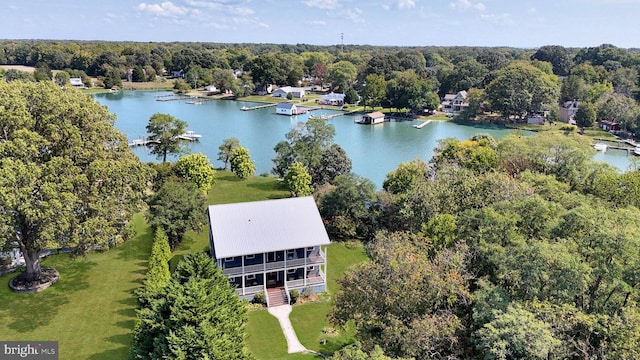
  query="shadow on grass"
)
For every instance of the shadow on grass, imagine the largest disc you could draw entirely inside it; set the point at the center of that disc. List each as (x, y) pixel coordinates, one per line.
(118, 353)
(137, 248)
(173, 263)
(26, 312)
(268, 187)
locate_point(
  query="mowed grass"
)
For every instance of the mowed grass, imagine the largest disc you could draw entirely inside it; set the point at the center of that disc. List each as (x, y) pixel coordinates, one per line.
(91, 310)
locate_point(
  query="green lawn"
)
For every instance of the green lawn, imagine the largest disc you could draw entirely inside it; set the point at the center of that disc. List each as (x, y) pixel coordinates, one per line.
(91, 311)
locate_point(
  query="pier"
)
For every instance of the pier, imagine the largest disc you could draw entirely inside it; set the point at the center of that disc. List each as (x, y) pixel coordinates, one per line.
(143, 142)
(172, 97)
(245, 108)
(424, 123)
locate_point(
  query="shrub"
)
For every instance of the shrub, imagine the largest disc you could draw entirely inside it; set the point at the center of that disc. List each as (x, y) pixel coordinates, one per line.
(294, 295)
(259, 298)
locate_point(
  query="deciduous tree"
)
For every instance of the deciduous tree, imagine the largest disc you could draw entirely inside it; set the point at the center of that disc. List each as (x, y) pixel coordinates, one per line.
(67, 176)
(241, 163)
(298, 180)
(177, 207)
(164, 130)
(197, 169)
(228, 145)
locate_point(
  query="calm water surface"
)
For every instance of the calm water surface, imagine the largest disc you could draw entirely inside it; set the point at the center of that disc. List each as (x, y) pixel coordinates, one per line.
(374, 150)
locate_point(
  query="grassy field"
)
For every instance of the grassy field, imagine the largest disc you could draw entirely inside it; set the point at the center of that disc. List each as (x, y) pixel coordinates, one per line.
(91, 311)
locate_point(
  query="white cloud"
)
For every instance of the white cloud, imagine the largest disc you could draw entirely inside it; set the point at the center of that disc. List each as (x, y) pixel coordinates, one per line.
(354, 15)
(467, 4)
(323, 4)
(498, 19)
(166, 8)
(400, 4)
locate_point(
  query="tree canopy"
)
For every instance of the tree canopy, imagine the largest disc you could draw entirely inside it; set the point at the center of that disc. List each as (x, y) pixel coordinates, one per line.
(164, 130)
(68, 177)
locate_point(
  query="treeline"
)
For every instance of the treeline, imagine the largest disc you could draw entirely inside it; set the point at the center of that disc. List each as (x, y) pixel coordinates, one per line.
(517, 249)
(510, 82)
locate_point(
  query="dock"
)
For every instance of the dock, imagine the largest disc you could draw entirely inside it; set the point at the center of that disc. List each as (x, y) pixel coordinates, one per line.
(143, 142)
(172, 97)
(245, 108)
(424, 123)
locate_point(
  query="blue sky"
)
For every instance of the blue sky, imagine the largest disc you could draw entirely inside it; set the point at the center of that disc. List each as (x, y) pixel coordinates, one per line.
(518, 23)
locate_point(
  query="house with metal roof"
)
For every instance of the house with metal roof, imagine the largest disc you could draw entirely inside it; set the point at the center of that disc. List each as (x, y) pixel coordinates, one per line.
(271, 246)
(296, 92)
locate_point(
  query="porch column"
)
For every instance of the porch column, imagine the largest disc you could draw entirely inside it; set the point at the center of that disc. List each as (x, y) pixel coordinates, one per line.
(243, 287)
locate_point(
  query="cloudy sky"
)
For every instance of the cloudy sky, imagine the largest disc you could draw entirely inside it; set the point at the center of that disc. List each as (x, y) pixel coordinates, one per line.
(518, 23)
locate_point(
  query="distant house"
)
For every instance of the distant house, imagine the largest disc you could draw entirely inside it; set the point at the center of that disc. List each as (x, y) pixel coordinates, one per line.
(332, 99)
(536, 119)
(568, 111)
(375, 117)
(177, 74)
(271, 246)
(609, 125)
(211, 88)
(77, 83)
(297, 92)
(455, 103)
(286, 108)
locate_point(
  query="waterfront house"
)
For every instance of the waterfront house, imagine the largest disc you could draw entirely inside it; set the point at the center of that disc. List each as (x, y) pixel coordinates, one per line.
(536, 118)
(455, 103)
(76, 82)
(271, 246)
(609, 125)
(568, 110)
(332, 99)
(297, 92)
(286, 108)
(375, 117)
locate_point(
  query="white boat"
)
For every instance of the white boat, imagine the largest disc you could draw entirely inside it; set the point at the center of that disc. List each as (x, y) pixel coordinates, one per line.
(600, 146)
(190, 136)
(636, 151)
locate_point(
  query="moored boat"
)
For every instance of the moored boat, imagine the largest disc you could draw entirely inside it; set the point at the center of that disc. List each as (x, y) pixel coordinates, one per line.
(600, 146)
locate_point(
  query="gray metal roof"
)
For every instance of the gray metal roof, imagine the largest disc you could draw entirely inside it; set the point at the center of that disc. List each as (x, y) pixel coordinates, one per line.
(263, 226)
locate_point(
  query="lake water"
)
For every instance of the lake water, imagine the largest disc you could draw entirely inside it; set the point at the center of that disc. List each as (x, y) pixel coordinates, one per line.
(374, 150)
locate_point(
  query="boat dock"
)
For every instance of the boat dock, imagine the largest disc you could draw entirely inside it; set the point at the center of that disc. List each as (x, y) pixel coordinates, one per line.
(172, 97)
(143, 142)
(424, 123)
(245, 108)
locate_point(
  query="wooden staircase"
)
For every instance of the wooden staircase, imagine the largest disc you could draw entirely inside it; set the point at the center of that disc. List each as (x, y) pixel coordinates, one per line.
(277, 296)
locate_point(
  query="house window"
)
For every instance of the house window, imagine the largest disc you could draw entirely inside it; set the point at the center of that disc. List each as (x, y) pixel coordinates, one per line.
(251, 257)
(311, 248)
(291, 271)
(251, 277)
(230, 259)
(312, 268)
(291, 253)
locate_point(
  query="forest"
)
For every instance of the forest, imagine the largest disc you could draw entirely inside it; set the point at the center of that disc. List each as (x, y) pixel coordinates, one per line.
(508, 82)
